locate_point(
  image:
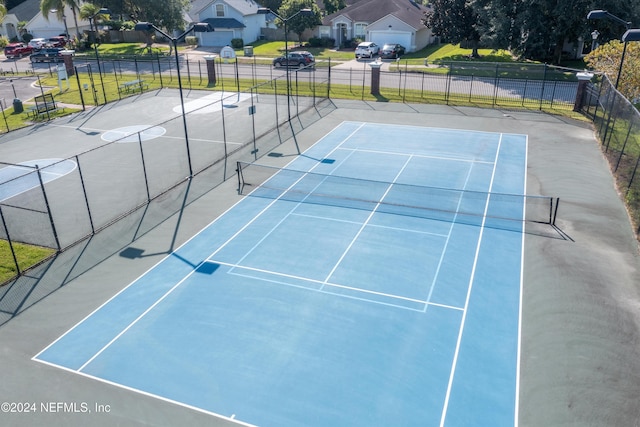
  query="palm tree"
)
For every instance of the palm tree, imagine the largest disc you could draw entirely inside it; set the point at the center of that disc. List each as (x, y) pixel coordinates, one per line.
(46, 6)
(91, 12)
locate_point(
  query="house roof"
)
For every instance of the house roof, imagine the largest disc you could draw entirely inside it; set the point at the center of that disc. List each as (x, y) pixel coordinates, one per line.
(224, 23)
(370, 11)
(245, 7)
(26, 10)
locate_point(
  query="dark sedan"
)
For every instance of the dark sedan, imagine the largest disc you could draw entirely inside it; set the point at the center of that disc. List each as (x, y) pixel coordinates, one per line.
(392, 51)
(295, 59)
(48, 54)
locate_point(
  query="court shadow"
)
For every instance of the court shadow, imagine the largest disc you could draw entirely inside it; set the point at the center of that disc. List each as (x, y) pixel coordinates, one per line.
(207, 268)
(167, 211)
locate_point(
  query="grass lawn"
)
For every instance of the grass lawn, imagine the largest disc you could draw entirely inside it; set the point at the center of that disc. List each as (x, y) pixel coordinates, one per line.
(26, 255)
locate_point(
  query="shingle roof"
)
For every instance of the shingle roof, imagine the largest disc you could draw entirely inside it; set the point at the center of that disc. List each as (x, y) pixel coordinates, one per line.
(245, 7)
(370, 11)
(224, 23)
(26, 10)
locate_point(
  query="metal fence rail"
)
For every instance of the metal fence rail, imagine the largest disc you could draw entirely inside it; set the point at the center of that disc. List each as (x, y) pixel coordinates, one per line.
(144, 169)
(617, 123)
(277, 113)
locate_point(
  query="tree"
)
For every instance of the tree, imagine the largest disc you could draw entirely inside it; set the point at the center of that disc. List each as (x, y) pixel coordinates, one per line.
(299, 23)
(606, 58)
(271, 4)
(331, 6)
(166, 14)
(46, 6)
(90, 11)
(455, 21)
(533, 29)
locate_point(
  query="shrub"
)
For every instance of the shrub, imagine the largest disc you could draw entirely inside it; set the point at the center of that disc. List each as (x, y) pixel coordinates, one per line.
(237, 43)
(321, 42)
(191, 40)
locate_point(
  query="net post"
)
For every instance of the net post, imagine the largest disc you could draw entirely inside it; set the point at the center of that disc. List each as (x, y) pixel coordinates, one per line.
(240, 179)
(555, 212)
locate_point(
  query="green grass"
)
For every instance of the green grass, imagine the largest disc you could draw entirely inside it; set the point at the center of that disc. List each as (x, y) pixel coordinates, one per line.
(27, 256)
(273, 49)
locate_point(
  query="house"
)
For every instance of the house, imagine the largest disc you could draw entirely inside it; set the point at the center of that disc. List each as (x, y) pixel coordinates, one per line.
(23, 12)
(230, 19)
(36, 24)
(379, 21)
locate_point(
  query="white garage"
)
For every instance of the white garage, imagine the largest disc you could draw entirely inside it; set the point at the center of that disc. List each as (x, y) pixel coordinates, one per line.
(216, 38)
(382, 37)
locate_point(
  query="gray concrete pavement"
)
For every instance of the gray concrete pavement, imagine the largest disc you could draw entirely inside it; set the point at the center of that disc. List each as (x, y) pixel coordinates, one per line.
(580, 344)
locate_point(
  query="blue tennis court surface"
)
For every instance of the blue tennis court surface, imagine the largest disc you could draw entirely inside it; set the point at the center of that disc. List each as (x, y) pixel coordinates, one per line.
(356, 287)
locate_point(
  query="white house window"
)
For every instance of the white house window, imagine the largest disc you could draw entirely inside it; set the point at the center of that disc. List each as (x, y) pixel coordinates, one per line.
(324, 31)
(219, 10)
(360, 31)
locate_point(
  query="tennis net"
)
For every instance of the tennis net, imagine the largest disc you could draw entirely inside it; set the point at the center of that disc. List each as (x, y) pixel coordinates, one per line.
(391, 197)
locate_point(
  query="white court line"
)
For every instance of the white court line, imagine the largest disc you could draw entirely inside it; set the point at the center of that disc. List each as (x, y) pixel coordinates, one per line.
(323, 283)
(387, 227)
(466, 303)
(519, 349)
(422, 156)
(145, 393)
(144, 313)
(165, 136)
(143, 274)
(446, 243)
(270, 204)
(366, 221)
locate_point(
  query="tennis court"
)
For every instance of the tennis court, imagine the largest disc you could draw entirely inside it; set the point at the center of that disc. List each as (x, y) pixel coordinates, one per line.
(376, 280)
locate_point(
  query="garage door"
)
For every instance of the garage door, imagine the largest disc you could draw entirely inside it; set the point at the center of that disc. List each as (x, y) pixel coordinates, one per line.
(216, 38)
(382, 37)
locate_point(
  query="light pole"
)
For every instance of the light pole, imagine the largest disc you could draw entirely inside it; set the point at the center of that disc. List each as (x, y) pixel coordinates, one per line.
(64, 20)
(303, 12)
(594, 38)
(629, 36)
(102, 11)
(201, 27)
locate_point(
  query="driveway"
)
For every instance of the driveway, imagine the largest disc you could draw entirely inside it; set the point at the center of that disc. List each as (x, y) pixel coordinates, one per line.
(358, 64)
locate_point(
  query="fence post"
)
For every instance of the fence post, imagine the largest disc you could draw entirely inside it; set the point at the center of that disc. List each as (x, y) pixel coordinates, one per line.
(79, 90)
(13, 253)
(46, 202)
(211, 69)
(496, 77)
(583, 79)
(375, 78)
(329, 81)
(86, 196)
(446, 95)
(544, 80)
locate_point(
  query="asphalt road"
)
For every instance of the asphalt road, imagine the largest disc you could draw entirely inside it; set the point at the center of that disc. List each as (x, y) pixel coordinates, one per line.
(354, 73)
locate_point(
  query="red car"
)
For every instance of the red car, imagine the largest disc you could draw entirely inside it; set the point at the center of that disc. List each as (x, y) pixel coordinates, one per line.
(57, 41)
(17, 50)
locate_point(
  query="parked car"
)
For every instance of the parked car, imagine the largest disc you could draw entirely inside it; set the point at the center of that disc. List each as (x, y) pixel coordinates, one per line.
(392, 51)
(57, 41)
(295, 59)
(37, 43)
(17, 50)
(48, 54)
(368, 49)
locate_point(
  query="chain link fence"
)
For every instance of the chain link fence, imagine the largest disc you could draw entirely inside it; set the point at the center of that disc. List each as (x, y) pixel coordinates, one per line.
(146, 163)
(58, 204)
(617, 123)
